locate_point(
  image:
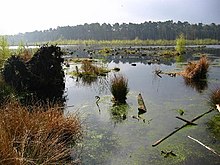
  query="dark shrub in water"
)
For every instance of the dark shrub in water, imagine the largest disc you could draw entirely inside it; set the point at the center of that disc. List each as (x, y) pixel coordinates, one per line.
(41, 77)
(47, 76)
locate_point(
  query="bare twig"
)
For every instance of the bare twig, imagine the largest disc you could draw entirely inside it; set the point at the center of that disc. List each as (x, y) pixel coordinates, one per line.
(210, 149)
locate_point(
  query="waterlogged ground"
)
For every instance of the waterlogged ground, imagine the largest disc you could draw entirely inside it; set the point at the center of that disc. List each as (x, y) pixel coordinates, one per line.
(115, 137)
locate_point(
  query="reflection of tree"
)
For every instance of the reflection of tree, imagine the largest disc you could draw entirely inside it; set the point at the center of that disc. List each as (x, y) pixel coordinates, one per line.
(99, 83)
(119, 113)
(198, 85)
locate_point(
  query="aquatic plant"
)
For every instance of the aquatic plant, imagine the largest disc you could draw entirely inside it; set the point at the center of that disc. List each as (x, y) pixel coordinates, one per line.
(196, 70)
(105, 51)
(43, 136)
(119, 88)
(214, 125)
(88, 68)
(89, 71)
(119, 113)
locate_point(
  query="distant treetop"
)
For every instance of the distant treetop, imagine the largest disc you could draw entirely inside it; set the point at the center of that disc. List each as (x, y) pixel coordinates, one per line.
(167, 30)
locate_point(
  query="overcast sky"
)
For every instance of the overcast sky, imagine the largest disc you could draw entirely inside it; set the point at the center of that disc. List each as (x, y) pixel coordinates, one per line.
(19, 16)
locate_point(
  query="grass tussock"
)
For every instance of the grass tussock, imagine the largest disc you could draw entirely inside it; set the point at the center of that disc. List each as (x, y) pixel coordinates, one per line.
(119, 88)
(37, 137)
(215, 97)
(89, 69)
(196, 70)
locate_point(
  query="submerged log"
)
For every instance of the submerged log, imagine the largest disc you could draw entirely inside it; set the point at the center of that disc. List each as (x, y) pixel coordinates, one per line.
(194, 119)
(210, 149)
(187, 121)
(141, 105)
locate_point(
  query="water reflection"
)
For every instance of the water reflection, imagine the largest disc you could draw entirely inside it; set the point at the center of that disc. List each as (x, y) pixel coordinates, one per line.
(163, 95)
(198, 85)
(99, 83)
(87, 80)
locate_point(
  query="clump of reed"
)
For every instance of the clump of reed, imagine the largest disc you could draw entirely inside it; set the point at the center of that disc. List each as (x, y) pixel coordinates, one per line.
(215, 97)
(43, 136)
(196, 70)
(89, 69)
(119, 88)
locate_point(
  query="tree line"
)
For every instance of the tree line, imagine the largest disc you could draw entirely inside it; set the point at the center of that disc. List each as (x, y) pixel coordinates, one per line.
(168, 30)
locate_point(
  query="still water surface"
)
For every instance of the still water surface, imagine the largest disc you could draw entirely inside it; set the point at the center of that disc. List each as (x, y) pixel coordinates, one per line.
(112, 139)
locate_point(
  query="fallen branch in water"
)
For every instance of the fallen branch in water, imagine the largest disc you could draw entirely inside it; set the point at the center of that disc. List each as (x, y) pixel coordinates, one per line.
(210, 149)
(141, 105)
(194, 119)
(188, 122)
(158, 72)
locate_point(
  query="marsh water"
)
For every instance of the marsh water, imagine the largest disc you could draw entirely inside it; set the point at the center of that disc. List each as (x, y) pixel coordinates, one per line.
(113, 136)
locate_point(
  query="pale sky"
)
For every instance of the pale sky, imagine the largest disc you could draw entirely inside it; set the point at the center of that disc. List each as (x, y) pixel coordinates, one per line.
(19, 16)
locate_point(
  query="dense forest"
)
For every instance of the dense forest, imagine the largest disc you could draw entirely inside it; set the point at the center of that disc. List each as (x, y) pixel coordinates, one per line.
(167, 30)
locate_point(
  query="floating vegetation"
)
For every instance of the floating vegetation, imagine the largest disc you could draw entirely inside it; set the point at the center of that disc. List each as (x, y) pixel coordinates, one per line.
(169, 53)
(105, 51)
(119, 113)
(119, 89)
(181, 112)
(79, 60)
(167, 153)
(90, 70)
(214, 125)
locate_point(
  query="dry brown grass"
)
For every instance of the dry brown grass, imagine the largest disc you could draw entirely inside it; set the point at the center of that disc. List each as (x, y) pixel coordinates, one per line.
(196, 70)
(37, 137)
(88, 68)
(215, 97)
